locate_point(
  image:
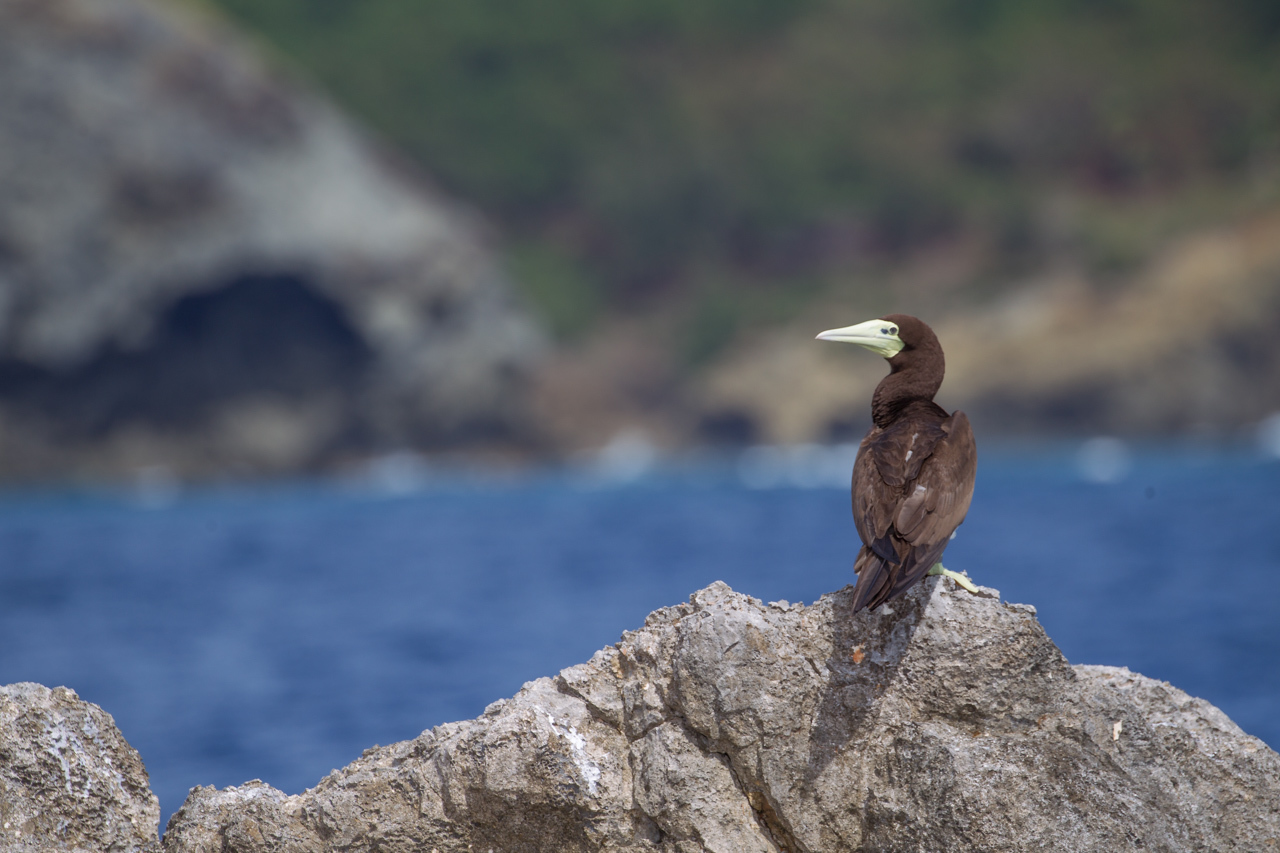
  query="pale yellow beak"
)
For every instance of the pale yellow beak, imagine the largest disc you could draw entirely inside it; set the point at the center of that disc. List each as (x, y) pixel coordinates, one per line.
(879, 336)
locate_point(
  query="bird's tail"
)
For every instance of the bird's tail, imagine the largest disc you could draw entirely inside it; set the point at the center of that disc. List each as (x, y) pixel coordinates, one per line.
(874, 585)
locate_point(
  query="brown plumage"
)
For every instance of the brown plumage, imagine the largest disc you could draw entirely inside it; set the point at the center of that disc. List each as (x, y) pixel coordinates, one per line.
(913, 477)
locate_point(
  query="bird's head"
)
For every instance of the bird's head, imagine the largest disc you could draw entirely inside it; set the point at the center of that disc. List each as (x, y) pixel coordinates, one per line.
(883, 336)
(916, 362)
(900, 338)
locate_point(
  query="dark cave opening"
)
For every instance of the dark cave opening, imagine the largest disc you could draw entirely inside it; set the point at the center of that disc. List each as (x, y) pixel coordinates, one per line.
(255, 336)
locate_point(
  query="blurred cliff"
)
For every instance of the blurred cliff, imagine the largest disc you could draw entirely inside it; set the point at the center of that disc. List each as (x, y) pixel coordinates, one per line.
(1083, 196)
(205, 269)
(203, 266)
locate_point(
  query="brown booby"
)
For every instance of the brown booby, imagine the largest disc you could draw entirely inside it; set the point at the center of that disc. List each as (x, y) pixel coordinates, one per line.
(913, 476)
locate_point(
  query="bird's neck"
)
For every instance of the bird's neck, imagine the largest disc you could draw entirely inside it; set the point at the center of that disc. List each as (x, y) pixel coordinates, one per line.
(903, 386)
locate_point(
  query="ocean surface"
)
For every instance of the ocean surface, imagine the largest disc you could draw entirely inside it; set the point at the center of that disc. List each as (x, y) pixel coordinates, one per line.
(275, 633)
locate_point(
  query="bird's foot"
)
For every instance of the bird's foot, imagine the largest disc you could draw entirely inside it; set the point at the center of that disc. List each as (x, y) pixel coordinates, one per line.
(959, 578)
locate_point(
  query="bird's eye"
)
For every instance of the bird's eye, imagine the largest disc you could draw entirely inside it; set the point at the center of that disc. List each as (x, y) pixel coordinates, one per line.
(893, 330)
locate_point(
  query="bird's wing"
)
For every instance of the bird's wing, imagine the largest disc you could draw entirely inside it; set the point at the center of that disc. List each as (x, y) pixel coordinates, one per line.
(889, 461)
(937, 500)
(875, 502)
(911, 489)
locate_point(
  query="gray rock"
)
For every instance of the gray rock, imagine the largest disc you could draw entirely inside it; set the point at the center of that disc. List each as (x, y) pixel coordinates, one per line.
(203, 266)
(68, 779)
(943, 721)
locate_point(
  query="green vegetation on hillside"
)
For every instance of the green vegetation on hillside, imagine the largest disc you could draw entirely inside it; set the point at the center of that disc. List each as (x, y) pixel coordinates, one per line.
(644, 150)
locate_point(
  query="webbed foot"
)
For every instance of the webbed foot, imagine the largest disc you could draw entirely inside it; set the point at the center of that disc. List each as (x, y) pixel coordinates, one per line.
(959, 578)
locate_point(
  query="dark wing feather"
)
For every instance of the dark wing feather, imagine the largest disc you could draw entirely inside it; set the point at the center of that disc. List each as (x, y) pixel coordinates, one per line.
(912, 484)
(874, 500)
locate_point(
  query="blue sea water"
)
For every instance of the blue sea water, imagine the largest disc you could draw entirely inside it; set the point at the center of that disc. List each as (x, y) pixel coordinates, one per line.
(276, 633)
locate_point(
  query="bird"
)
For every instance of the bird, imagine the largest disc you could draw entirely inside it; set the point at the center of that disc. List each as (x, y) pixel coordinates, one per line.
(914, 473)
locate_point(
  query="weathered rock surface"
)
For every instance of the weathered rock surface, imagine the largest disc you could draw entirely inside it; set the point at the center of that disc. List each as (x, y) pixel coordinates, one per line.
(204, 266)
(944, 721)
(68, 779)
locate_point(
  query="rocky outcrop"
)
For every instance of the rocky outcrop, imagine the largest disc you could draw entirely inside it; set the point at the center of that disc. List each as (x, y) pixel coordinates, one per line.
(68, 779)
(205, 267)
(943, 721)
